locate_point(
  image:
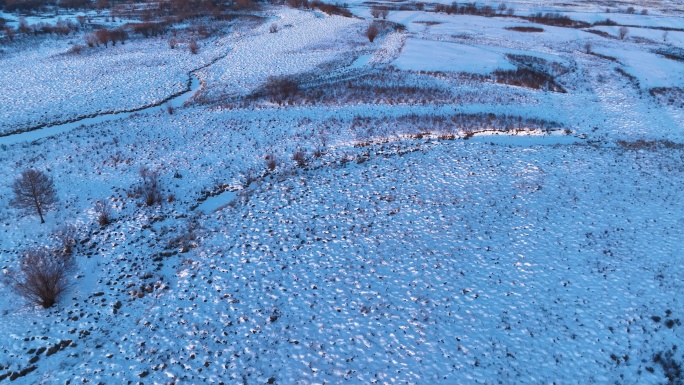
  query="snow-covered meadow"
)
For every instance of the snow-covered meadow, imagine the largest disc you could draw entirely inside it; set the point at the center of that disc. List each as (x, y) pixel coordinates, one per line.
(405, 214)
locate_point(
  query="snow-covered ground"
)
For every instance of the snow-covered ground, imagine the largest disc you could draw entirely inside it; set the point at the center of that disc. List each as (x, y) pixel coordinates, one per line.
(399, 250)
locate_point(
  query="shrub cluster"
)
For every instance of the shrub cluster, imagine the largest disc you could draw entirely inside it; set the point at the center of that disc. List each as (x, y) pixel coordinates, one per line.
(445, 126)
(330, 9)
(474, 9)
(556, 19)
(525, 29)
(673, 96)
(524, 77)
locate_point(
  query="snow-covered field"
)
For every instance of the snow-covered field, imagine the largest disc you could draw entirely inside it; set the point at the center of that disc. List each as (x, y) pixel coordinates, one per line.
(439, 225)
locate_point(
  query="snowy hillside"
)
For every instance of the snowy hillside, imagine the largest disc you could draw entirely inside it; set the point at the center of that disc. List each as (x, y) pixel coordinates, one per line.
(465, 199)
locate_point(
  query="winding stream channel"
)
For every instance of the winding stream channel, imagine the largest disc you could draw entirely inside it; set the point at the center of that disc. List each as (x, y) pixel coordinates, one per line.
(51, 130)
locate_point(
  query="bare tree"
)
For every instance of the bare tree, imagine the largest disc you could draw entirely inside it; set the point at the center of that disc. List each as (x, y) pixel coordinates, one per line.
(375, 12)
(103, 36)
(193, 47)
(665, 35)
(587, 47)
(9, 32)
(34, 190)
(623, 31)
(372, 32)
(273, 28)
(42, 277)
(173, 43)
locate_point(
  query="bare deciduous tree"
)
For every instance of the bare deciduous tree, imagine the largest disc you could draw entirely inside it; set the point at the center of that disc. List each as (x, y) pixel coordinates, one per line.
(372, 32)
(103, 36)
(42, 277)
(193, 47)
(623, 31)
(34, 190)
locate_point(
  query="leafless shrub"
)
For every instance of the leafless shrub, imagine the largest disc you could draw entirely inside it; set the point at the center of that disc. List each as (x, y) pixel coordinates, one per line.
(43, 276)
(556, 19)
(447, 126)
(382, 87)
(372, 32)
(75, 49)
(525, 29)
(650, 145)
(34, 190)
(524, 77)
(271, 161)
(170, 109)
(278, 89)
(91, 40)
(173, 43)
(187, 238)
(193, 46)
(331, 9)
(622, 32)
(587, 47)
(102, 36)
(375, 12)
(148, 29)
(300, 158)
(150, 187)
(673, 96)
(273, 28)
(103, 212)
(644, 11)
(630, 10)
(9, 33)
(118, 34)
(65, 236)
(665, 35)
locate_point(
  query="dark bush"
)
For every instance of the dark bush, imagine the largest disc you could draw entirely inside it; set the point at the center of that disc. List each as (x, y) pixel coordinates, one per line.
(150, 187)
(193, 46)
(103, 212)
(372, 32)
(525, 29)
(300, 158)
(43, 276)
(280, 89)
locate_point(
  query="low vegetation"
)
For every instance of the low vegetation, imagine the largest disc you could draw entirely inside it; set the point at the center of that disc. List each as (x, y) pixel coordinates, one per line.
(43, 276)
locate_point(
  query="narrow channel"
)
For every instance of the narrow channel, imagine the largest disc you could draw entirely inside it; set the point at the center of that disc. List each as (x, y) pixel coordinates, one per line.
(47, 131)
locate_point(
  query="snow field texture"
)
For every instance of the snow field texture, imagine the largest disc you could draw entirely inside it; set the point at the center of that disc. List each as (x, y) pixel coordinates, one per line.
(392, 256)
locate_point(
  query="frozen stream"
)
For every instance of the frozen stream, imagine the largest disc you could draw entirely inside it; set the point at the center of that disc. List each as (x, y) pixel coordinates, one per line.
(51, 130)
